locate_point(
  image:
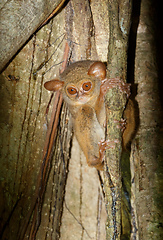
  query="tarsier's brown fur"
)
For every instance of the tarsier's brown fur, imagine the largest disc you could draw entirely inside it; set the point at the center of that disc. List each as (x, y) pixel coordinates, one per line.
(84, 85)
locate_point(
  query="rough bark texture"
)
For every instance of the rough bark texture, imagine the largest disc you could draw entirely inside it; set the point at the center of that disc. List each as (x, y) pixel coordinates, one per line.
(23, 130)
(19, 20)
(119, 22)
(147, 151)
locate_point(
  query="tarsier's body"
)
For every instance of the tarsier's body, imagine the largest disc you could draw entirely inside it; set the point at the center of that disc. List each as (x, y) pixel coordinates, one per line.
(84, 85)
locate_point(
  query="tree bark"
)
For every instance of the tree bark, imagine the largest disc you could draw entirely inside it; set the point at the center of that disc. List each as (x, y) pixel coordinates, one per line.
(23, 133)
(146, 158)
(19, 20)
(119, 23)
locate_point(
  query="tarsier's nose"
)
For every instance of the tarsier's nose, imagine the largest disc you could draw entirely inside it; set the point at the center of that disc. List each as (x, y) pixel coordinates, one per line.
(80, 93)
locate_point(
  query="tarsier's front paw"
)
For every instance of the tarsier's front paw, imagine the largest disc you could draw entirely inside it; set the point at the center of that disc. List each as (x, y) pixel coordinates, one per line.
(124, 87)
(109, 83)
(104, 145)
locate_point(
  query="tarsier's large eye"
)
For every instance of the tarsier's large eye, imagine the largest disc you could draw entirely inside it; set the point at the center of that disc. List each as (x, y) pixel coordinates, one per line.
(87, 86)
(72, 90)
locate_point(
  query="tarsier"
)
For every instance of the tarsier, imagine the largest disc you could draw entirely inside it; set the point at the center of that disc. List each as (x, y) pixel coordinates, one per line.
(84, 85)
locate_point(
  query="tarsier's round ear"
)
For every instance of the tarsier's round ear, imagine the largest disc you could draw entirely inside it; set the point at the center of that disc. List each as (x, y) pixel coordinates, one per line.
(97, 69)
(54, 85)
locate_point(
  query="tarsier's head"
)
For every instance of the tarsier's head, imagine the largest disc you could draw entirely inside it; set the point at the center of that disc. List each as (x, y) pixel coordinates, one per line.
(80, 82)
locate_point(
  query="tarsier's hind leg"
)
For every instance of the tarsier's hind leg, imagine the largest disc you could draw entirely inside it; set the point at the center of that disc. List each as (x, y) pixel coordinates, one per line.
(89, 133)
(91, 137)
(96, 162)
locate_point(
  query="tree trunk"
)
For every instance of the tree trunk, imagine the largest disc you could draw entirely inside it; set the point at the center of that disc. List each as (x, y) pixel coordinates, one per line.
(119, 23)
(146, 158)
(19, 20)
(23, 133)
